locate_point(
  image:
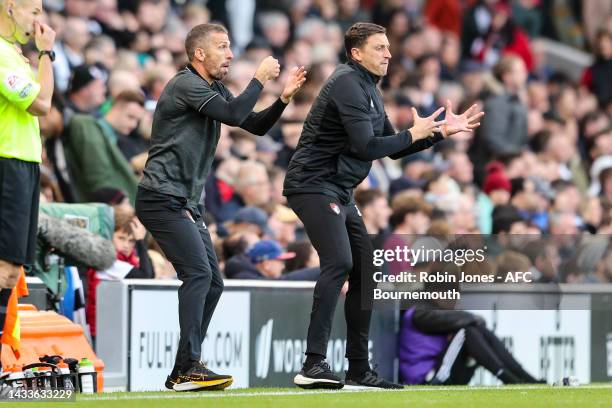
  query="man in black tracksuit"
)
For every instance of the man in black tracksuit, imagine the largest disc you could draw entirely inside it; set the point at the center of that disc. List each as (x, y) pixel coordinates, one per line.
(345, 130)
(186, 129)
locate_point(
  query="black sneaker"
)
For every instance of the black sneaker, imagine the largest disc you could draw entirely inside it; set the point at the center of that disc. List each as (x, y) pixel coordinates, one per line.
(198, 378)
(371, 379)
(170, 381)
(319, 375)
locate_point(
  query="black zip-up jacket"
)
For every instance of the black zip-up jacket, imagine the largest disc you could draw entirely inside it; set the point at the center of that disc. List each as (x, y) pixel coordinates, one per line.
(345, 130)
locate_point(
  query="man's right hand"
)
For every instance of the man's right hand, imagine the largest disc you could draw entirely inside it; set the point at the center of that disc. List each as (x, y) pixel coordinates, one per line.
(423, 127)
(267, 70)
(44, 36)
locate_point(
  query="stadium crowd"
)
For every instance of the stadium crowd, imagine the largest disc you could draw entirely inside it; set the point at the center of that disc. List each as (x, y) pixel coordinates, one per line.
(540, 164)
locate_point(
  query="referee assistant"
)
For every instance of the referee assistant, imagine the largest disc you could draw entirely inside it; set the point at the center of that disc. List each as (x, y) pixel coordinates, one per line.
(186, 127)
(345, 130)
(23, 97)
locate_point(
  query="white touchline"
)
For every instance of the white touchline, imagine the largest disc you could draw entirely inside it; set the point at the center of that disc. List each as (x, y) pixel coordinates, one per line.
(204, 394)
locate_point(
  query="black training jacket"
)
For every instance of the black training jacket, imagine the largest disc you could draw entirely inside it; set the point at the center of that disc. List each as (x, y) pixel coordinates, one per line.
(345, 130)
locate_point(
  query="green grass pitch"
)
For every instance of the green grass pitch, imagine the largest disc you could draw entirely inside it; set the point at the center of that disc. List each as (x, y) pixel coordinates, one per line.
(595, 395)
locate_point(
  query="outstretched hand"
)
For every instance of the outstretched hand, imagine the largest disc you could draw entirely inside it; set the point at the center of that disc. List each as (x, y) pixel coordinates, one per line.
(294, 82)
(423, 127)
(466, 122)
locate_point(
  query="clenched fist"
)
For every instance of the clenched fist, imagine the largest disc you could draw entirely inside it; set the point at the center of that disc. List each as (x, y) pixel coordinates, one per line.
(268, 69)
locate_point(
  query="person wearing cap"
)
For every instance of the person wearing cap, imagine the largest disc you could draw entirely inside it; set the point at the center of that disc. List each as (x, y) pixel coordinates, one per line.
(346, 129)
(266, 261)
(87, 91)
(267, 150)
(186, 130)
(268, 257)
(24, 97)
(250, 219)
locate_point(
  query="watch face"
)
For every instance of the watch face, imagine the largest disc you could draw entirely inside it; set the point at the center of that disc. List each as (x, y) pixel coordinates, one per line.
(51, 54)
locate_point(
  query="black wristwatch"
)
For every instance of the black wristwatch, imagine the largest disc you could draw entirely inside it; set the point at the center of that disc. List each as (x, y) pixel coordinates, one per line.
(50, 53)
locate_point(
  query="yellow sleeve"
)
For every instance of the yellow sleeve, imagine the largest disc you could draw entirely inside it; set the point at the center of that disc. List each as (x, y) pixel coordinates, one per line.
(17, 86)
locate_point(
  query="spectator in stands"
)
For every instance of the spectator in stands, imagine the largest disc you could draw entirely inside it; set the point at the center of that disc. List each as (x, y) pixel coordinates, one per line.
(87, 91)
(266, 150)
(275, 27)
(221, 199)
(69, 51)
(505, 130)
(268, 258)
(253, 184)
(283, 223)
(264, 260)
(92, 154)
(545, 259)
(530, 196)
(277, 178)
(101, 51)
(120, 27)
(250, 219)
(528, 16)
(603, 268)
(497, 189)
(504, 37)
(132, 262)
(567, 197)
(507, 219)
(564, 223)
(410, 218)
(414, 167)
(375, 212)
(305, 256)
(462, 214)
(597, 77)
(510, 260)
(291, 130)
(244, 144)
(460, 168)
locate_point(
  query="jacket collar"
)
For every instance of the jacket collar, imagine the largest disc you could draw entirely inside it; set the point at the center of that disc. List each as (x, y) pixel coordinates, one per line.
(191, 69)
(363, 71)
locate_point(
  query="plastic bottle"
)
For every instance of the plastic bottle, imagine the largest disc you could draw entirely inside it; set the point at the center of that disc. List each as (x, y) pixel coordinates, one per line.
(17, 378)
(30, 379)
(73, 366)
(65, 379)
(45, 378)
(87, 377)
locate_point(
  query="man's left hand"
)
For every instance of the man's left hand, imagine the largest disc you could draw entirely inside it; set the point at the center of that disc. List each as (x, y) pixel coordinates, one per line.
(296, 79)
(466, 122)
